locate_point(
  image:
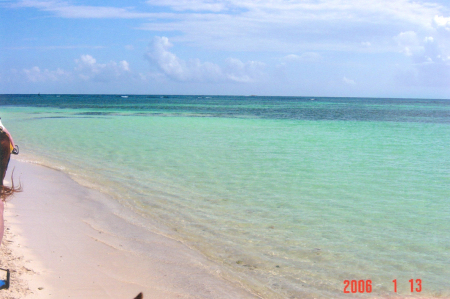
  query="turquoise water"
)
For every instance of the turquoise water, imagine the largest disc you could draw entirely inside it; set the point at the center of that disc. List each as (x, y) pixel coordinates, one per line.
(292, 196)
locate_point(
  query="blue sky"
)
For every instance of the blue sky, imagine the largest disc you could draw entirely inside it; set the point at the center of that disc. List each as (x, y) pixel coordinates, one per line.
(359, 48)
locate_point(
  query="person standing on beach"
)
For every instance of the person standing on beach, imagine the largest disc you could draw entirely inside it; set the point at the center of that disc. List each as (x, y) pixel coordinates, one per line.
(7, 148)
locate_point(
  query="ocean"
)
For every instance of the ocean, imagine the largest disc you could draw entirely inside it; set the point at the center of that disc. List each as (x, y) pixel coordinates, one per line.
(294, 197)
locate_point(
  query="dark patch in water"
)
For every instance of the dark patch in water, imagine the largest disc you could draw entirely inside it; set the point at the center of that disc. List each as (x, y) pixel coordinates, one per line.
(63, 117)
(44, 117)
(95, 113)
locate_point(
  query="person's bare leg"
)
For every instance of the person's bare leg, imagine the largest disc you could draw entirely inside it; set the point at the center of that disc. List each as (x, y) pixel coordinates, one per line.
(2, 224)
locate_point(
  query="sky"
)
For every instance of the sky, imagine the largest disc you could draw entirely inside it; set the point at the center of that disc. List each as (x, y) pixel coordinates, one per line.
(342, 48)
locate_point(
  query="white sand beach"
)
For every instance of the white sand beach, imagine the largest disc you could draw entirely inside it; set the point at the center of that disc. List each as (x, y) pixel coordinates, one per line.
(56, 246)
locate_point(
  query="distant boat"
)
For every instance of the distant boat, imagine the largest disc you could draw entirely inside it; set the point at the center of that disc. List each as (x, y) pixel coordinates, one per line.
(125, 97)
(313, 99)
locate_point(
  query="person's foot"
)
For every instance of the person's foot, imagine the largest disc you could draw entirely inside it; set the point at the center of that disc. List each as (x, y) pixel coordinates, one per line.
(15, 150)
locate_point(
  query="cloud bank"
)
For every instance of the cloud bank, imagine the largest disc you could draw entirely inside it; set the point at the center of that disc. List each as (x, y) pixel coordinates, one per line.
(86, 69)
(89, 69)
(430, 58)
(35, 74)
(168, 64)
(271, 25)
(195, 70)
(66, 10)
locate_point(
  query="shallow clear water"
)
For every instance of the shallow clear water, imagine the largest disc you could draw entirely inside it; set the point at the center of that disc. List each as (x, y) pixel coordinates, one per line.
(293, 195)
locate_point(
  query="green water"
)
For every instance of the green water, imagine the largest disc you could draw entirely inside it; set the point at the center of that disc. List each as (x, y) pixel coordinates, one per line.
(292, 197)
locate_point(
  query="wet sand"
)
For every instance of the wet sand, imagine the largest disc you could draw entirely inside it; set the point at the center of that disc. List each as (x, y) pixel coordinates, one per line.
(63, 241)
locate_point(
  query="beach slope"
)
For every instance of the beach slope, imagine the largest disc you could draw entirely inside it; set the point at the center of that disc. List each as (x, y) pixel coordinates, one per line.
(61, 242)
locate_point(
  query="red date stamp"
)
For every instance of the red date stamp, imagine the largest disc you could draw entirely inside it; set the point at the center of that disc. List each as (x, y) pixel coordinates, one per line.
(358, 286)
(416, 285)
(365, 286)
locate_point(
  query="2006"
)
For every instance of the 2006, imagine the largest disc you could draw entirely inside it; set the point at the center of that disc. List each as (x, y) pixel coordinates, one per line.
(361, 286)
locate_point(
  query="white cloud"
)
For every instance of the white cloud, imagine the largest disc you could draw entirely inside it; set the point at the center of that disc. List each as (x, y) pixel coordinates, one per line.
(36, 75)
(195, 70)
(291, 57)
(430, 66)
(271, 25)
(177, 68)
(348, 81)
(311, 9)
(239, 71)
(192, 5)
(304, 57)
(441, 21)
(409, 43)
(65, 10)
(292, 26)
(51, 48)
(87, 68)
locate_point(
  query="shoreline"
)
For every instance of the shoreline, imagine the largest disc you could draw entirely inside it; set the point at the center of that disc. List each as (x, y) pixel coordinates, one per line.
(62, 241)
